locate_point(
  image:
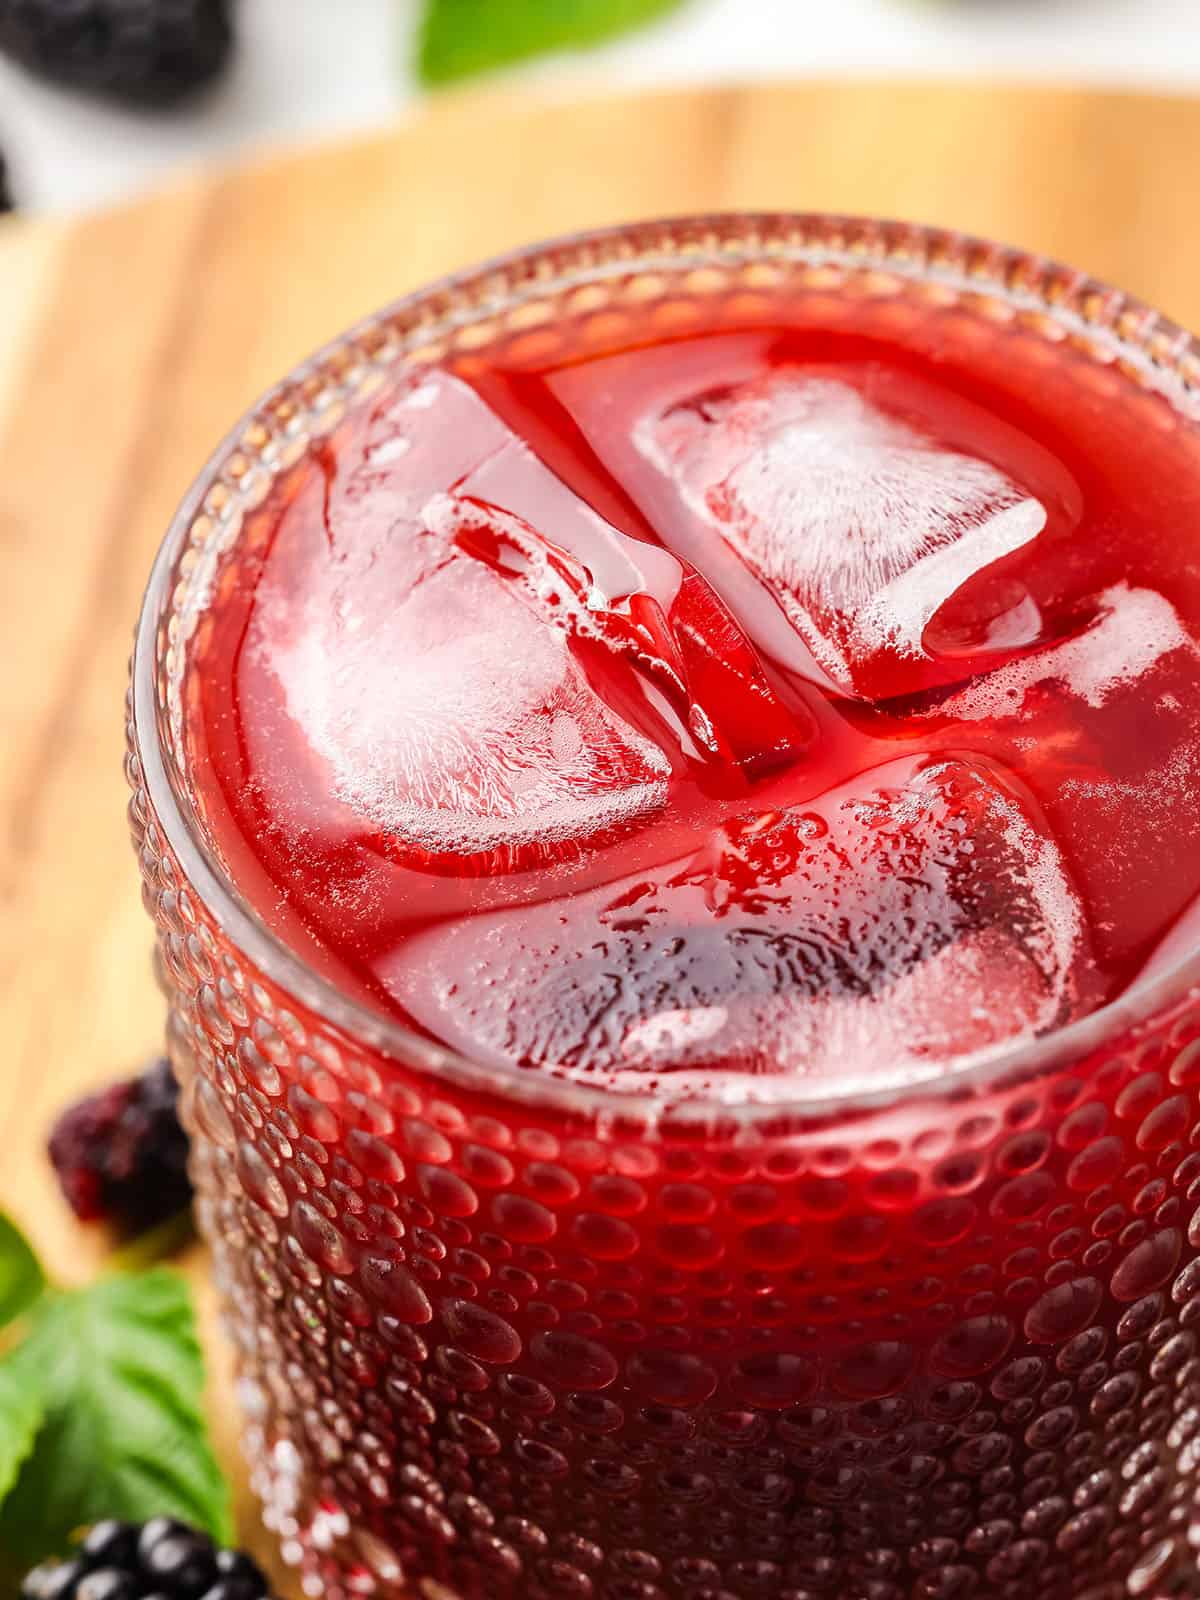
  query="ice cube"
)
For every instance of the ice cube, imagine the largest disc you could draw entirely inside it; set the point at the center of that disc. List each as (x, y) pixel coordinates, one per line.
(448, 712)
(1127, 633)
(861, 526)
(909, 921)
(451, 718)
(1106, 726)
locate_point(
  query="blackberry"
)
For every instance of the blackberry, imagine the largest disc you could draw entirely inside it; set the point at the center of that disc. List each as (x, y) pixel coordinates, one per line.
(162, 1557)
(121, 1154)
(143, 52)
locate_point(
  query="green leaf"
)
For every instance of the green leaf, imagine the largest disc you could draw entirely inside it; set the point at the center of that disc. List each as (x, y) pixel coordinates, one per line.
(123, 1377)
(21, 1277)
(22, 1407)
(461, 37)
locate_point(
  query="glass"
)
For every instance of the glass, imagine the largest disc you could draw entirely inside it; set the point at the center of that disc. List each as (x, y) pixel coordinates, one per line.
(500, 1334)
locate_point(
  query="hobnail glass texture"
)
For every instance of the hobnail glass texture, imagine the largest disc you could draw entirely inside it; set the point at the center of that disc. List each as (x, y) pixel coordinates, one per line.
(501, 1335)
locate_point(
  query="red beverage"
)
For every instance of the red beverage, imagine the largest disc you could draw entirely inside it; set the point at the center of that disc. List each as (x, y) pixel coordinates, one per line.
(679, 932)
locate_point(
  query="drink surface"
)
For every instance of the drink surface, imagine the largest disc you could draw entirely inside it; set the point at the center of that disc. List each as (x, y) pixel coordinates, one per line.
(813, 691)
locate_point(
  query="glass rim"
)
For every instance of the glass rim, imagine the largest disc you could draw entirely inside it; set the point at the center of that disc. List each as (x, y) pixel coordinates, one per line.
(1106, 323)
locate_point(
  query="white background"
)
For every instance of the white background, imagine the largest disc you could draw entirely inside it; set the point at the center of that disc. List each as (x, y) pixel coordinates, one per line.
(310, 67)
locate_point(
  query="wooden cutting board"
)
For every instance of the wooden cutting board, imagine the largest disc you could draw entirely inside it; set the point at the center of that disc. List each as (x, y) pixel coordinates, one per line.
(130, 340)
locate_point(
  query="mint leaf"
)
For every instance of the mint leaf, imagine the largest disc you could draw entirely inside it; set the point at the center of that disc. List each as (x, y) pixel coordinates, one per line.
(122, 1376)
(21, 1412)
(21, 1277)
(462, 37)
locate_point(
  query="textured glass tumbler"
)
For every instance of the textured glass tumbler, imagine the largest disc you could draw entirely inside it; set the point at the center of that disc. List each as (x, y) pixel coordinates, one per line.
(501, 1335)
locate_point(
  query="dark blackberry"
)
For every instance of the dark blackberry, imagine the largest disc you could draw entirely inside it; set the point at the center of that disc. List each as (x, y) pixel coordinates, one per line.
(57, 1582)
(237, 1565)
(143, 52)
(107, 1583)
(177, 1561)
(162, 1557)
(109, 1544)
(121, 1154)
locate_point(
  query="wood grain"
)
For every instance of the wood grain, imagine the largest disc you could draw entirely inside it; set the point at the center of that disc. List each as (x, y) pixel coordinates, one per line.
(129, 341)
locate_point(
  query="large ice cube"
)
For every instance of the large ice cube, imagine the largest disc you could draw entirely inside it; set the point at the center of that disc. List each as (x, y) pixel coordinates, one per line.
(450, 717)
(449, 713)
(1126, 634)
(861, 526)
(911, 920)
